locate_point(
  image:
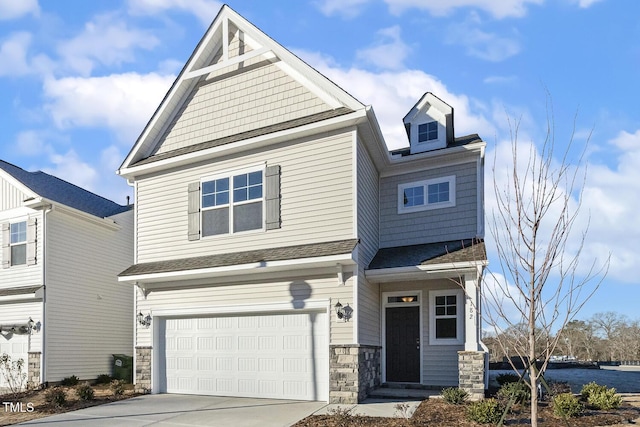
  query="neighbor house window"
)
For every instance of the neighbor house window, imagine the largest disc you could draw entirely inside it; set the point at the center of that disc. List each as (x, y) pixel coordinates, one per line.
(18, 233)
(427, 131)
(233, 203)
(445, 318)
(430, 194)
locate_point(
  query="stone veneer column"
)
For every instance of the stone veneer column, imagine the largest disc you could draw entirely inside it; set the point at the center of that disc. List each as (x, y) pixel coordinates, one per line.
(143, 369)
(33, 368)
(354, 372)
(471, 367)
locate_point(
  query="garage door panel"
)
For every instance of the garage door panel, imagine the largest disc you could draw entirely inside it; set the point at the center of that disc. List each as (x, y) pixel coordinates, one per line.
(276, 356)
(17, 347)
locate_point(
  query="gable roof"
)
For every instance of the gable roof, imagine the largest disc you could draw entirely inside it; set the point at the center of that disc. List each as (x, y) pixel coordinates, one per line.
(454, 251)
(55, 189)
(203, 62)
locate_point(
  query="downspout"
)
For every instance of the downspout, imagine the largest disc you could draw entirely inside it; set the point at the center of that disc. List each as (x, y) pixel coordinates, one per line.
(43, 365)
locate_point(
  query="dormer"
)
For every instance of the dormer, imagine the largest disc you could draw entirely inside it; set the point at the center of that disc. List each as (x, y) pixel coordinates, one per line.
(429, 124)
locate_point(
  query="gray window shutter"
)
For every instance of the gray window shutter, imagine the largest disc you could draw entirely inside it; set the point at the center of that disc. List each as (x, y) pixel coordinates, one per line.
(194, 211)
(31, 241)
(273, 197)
(6, 245)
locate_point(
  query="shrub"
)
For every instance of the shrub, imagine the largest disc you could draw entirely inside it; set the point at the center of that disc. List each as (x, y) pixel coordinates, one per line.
(14, 373)
(507, 378)
(604, 399)
(566, 405)
(117, 387)
(591, 388)
(558, 387)
(454, 395)
(518, 392)
(486, 411)
(69, 381)
(56, 397)
(85, 391)
(104, 379)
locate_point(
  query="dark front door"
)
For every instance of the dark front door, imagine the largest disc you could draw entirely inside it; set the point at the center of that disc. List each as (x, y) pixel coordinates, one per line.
(403, 344)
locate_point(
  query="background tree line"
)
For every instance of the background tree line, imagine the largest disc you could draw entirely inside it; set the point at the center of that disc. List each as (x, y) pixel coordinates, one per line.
(604, 336)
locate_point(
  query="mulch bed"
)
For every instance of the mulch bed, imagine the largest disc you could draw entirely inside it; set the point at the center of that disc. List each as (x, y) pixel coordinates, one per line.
(437, 413)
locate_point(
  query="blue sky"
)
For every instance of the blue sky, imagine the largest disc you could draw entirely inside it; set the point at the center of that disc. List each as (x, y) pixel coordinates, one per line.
(80, 79)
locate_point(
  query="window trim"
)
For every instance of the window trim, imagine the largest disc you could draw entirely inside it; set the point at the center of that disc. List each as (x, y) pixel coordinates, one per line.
(230, 174)
(21, 243)
(459, 340)
(426, 205)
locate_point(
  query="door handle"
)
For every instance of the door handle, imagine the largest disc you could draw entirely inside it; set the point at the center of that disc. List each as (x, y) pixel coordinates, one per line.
(418, 343)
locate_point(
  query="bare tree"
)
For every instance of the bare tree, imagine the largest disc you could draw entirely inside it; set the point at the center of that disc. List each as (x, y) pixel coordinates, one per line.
(532, 224)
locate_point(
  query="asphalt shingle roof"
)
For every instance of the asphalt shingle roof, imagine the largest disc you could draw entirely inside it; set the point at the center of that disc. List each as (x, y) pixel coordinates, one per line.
(19, 291)
(457, 142)
(63, 192)
(246, 257)
(431, 253)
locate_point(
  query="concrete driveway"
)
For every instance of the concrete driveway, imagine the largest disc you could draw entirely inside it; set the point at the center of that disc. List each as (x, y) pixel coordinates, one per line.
(186, 410)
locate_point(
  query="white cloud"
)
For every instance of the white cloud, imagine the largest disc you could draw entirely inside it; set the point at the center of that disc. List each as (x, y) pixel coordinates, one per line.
(500, 79)
(345, 8)
(105, 40)
(498, 8)
(390, 51)
(204, 10)
(584, 4)
(12, 9)
(72, 168)
(13, 55)
(121, 102)
(391, 101)
(31, 142)
(481, 44)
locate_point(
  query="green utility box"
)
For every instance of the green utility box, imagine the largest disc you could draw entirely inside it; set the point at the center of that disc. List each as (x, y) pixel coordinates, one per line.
(123, 368)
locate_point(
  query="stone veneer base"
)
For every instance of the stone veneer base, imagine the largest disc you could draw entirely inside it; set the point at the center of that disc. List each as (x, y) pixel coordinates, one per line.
(354, 370)
(33, 368)
(471, 371)
(143, 369)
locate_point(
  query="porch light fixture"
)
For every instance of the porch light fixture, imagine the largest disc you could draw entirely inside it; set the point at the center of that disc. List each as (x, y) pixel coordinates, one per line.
(344, 313)
(144, 320)
(408, 299)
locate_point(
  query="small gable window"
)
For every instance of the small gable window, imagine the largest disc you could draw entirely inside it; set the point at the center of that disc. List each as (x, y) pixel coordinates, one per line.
(232, 204)
(427, 131)
(429, 194)
(18, 232)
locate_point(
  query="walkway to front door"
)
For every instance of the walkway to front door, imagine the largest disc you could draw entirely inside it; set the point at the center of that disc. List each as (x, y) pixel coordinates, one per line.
(402, 344)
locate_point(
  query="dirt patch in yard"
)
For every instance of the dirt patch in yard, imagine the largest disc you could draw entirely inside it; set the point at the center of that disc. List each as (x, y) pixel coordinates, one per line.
(437, 413)
(31, 405)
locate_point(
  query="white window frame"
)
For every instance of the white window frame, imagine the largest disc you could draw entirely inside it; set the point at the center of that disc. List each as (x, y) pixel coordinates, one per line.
(459, 316)
(425, 184)
(21, 243)
(229, 175)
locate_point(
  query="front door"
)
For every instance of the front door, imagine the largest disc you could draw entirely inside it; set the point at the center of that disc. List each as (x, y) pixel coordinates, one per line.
(403, 344)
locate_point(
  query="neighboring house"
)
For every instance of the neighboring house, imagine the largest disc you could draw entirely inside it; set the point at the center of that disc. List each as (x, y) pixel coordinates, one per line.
(61, 306)
(282, 251)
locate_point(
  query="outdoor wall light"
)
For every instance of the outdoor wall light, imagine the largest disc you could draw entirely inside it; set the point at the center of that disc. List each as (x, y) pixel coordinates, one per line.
(144, 320)
(21, 329)
(344, 313)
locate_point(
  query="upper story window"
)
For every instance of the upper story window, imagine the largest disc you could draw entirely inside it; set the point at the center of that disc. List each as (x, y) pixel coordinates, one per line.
(445, 320)
(233, 203)
(429, 194)
(427, 131)
(18, 232)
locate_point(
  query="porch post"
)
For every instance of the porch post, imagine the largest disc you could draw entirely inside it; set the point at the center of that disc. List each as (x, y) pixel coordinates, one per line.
(471, 321)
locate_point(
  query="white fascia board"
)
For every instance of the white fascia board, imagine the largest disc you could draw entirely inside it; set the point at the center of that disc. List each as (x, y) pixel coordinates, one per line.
(244, 269)
(41, 203)
(28, 297)
(423, 272)
(344, 121)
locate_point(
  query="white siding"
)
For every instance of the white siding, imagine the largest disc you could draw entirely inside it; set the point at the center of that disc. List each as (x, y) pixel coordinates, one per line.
(88, 313)
(436, 225)
(239, 99)
(439, 362)
(211, 299)
(316, 201)
(368, 221)
(19, 276)
(10, 196)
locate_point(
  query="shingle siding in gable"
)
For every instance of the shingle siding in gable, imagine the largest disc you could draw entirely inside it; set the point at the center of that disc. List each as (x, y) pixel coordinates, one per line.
(434, 225)
(234, 102)
(10, 196)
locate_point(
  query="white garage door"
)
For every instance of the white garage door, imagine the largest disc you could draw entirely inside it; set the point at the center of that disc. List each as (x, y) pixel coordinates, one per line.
(17, 347)
(282, 356)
